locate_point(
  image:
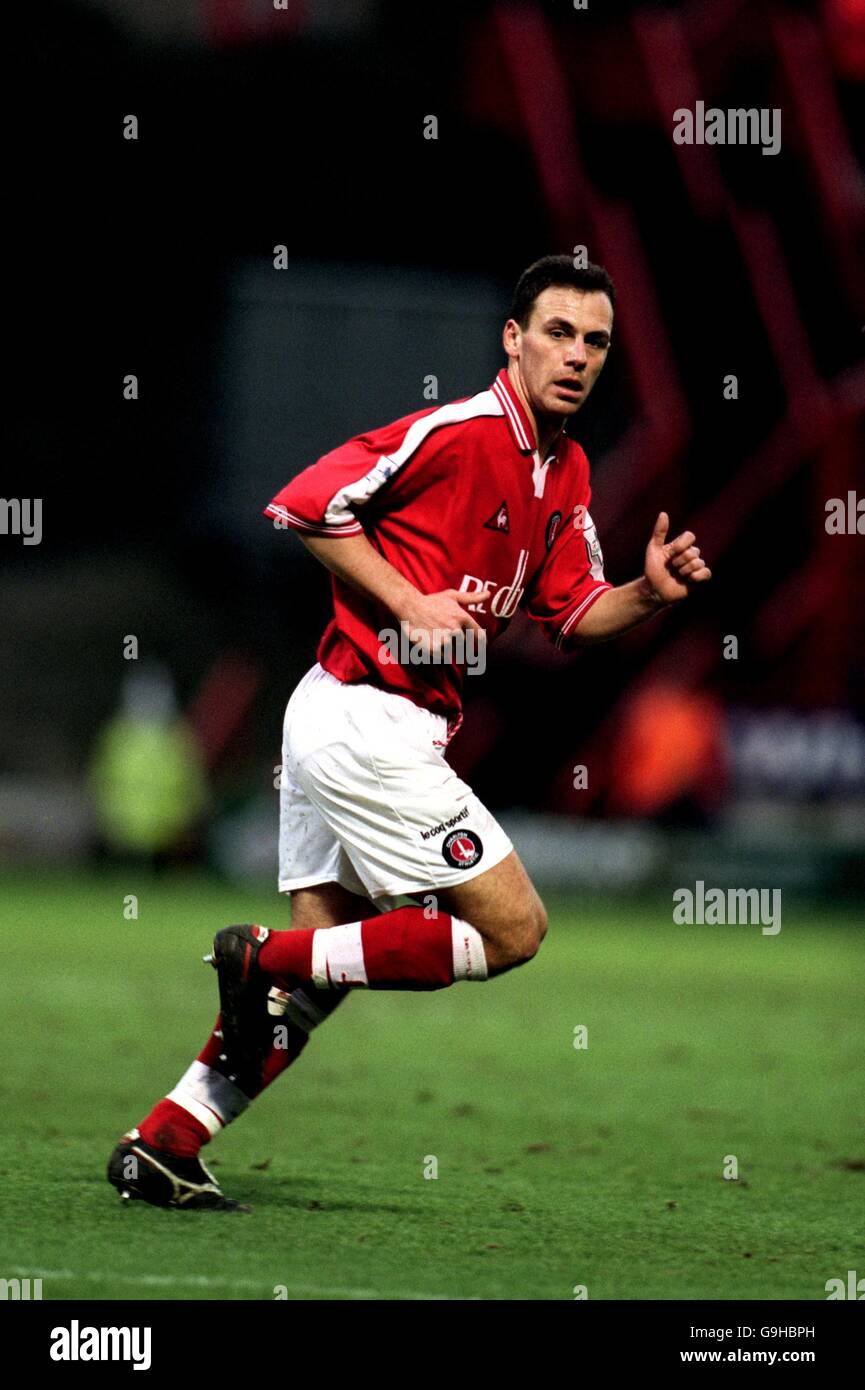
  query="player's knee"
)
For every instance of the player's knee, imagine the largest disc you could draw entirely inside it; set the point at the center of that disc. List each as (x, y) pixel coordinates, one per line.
(535, 930)
(528, 931)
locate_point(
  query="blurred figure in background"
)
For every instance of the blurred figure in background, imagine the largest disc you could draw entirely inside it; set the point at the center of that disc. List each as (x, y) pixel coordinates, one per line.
(668, 762)
(147, 775)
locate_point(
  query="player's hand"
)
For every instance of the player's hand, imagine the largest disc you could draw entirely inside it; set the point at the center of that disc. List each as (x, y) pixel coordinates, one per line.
(673, 567)
(431, 617)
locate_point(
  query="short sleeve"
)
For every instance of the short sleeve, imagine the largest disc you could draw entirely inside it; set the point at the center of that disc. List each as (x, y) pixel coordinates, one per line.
(571, 578)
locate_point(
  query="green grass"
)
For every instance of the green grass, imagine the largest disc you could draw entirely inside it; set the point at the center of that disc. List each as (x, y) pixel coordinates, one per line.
(556, 1167)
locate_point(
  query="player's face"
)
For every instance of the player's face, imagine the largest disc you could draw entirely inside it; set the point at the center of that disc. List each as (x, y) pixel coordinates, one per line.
(561, 351)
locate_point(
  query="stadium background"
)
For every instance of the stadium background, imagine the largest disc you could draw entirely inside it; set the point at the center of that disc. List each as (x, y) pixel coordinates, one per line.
(304, 128)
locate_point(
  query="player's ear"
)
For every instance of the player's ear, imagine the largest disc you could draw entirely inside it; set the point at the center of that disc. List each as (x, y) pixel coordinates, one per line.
(511, 338)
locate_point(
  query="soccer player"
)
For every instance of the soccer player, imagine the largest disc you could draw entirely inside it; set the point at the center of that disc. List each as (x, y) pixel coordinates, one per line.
(436, 529)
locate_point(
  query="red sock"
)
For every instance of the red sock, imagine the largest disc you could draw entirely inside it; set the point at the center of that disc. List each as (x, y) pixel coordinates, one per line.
(288, 953)
(403, 949)
(170, 1127)
(213, 1048)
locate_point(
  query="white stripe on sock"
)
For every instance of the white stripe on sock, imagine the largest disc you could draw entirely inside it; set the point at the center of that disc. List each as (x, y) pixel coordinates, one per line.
(470, 962)
(319, 958)
(209, 1096)
(337, 956)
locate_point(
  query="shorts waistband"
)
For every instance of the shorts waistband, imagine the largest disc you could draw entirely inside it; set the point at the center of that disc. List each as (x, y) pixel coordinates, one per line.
(451, 724)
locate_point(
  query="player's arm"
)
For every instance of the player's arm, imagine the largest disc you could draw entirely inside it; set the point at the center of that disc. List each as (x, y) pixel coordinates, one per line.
(321, 504)
(355, 561)
(672, 570)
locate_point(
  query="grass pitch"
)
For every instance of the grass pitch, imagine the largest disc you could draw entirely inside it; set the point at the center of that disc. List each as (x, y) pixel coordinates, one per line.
(557, 1167)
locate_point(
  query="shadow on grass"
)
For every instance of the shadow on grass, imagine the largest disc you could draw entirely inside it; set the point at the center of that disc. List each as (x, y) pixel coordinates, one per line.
(261, 1194)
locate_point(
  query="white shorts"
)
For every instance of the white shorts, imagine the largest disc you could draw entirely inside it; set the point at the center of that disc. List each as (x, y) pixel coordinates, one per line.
(368, 801)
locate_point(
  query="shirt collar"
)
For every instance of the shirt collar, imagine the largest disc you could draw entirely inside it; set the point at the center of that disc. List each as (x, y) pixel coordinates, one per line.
(518, 421)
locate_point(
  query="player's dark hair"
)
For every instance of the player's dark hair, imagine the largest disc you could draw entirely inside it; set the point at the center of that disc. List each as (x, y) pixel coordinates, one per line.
(556, 270)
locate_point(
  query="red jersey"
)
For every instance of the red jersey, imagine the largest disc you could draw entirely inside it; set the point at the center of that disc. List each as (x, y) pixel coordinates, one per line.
(454, 497)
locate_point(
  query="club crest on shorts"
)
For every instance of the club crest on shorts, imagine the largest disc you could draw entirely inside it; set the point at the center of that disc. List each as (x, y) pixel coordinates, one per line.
(462, 849)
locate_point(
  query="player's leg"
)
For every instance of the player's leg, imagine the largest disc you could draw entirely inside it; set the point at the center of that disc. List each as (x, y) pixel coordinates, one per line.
(217, 1088)
(207, 1096)
(470, 931)
(370, 762)
(503, 906)
(326, 905)
(293, 1014)
(158, 1160)
(165, 1146)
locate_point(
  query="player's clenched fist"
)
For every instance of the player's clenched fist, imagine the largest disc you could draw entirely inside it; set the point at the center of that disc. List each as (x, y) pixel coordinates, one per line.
(431, 617)
(673, 567)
